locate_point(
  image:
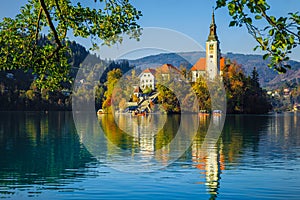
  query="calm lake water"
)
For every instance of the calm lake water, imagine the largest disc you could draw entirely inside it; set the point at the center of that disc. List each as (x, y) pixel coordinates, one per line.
(43, 156)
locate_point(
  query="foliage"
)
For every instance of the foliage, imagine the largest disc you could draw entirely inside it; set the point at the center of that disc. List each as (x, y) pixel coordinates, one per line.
(201, 90)
(244, 94)
(21, 47)
(147, 90)
(173, 92)
(20, 92)
(112, 79)
(168, 99)
(277, 38)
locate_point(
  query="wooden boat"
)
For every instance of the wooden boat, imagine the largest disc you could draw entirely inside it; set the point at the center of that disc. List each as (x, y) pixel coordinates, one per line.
(100, 111)
(139, 113)
(217, 112)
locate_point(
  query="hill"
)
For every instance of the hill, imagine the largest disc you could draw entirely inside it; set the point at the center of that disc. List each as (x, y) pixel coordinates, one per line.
(268, 77)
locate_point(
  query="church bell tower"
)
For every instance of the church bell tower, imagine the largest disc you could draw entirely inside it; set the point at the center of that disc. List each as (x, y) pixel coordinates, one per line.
(213, 51)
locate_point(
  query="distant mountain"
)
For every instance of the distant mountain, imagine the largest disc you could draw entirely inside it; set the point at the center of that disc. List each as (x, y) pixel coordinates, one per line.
(289, 78)
(268, 77)
(186, 59)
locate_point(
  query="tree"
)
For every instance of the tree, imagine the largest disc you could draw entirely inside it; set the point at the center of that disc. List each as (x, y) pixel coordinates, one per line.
(244, 94)
(21, 46)
(168, 99)
(235, 84)
(255, 79)
(201, 90)
(277, 38)
(112, 79)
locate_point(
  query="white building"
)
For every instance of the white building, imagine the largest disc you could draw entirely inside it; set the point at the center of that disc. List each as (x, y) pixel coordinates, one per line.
(165, 72)
(147, 79)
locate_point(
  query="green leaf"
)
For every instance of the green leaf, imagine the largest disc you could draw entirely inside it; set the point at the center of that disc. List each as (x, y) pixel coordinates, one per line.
(248, 20)
(266, 56)
(258, 17)
(259, 39)
(232, 23)
(292, 40)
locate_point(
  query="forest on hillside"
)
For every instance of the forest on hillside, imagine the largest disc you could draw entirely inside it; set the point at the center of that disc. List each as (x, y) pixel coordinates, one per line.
(18, 90)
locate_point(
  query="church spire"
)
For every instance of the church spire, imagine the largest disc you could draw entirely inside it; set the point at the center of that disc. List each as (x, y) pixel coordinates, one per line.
(213, 51)
(213, 17)
(212, 30)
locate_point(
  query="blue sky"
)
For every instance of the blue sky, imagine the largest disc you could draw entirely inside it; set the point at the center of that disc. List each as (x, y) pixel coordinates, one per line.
(190, 18)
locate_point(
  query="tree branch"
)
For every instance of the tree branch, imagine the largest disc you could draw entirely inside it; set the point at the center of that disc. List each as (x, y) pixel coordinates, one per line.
(270, 21)
(62, 18)
(37, 31)
(51, 25)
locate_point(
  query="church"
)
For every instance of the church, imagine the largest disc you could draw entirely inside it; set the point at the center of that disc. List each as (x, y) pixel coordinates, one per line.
(212, 65)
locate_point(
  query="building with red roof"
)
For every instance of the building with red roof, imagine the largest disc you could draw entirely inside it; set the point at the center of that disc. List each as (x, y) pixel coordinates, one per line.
(199, 69)
(212, 65)
(147, 78)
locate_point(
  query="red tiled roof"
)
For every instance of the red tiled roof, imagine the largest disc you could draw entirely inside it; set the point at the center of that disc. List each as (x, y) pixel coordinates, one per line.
(222, 63)
(201, 64)
(167, 68)
(148, 70)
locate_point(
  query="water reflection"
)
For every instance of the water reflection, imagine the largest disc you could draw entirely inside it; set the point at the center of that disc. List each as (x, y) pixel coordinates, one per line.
(208, 160)
(147, 138)
(152, 141)
(248, 142)
(41, 152)
(243, 137)
(39, 149)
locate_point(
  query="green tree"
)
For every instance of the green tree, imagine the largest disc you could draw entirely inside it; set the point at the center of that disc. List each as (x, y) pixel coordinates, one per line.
(99, 95)
(244, 94)
(20, 37)
(112, 79)
(201, 90)
(168, 99)
(278, 36)
(255, 79)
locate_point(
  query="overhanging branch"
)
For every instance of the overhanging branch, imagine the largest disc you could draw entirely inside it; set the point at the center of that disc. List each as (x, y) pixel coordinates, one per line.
(51, 25)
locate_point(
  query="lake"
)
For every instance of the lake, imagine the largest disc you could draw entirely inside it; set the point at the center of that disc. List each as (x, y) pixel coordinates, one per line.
(48, 156)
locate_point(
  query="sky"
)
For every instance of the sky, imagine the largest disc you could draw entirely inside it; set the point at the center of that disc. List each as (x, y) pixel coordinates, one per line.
(184, 24)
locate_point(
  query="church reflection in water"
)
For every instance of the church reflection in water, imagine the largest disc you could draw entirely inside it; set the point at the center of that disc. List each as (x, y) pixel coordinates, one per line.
(209, 161)
(150, 138)
(44, 149)
(151, 135)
